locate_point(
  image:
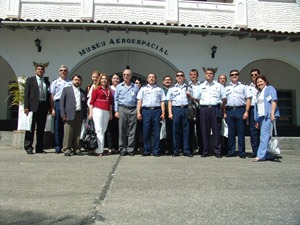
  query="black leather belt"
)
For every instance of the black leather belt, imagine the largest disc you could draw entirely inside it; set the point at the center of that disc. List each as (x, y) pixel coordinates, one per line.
(152, 108)
(209, 106)
(180, 106)
(128, 107)
(234, 107)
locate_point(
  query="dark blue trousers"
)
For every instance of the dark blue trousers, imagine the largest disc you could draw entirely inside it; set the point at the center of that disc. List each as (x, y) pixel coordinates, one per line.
(254, 132)
(180, 126)
(236, 126)
(58, 128)
(210, 119)
(151, 130)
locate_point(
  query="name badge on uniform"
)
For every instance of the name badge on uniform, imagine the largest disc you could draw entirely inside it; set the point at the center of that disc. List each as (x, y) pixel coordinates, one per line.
(269, 98)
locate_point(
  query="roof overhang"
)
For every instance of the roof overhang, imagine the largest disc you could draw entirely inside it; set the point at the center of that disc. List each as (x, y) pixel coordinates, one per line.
(241, 33)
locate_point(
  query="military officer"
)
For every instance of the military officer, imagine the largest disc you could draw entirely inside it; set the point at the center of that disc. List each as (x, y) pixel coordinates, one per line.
(151, 100)
(211, 97)
(56, 89)
(178, 97)
(254, 132)
(236, 112)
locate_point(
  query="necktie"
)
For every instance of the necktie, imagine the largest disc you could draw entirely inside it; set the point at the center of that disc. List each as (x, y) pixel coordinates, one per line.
(42, 91)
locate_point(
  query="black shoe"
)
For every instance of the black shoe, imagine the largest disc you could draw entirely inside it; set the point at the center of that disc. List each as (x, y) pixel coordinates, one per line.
(252, 156)
(146, 154)
(156, 155)
(229, 156)
(78, 153)
(67, 152)
(175, 155)
(188, 154)
(204, 156)
(242, 156)
(131, 153)
(218, 156)
(29, 151)
(123, 153)
(41, 152)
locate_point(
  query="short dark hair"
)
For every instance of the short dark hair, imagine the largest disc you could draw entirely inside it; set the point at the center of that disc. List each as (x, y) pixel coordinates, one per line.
(194, 70)
(255, 70)
(166, 77)
(263, 78)
(180, 72)
(40, 65)
(234, 71)
(210, 69)
(76, 75)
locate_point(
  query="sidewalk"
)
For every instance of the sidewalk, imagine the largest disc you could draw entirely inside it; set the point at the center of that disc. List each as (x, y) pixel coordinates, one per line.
(112, 190)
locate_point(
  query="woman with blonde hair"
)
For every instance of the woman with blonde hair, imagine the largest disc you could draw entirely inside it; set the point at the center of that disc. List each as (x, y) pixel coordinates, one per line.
(90, 87)
(101, 109)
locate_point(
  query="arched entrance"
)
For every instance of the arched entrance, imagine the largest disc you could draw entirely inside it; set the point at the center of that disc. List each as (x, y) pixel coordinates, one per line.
(115, 61)
(285, 78)
(8, 116)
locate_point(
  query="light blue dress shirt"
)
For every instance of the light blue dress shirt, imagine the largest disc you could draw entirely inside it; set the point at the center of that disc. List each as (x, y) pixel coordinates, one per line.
(210, 93)
(237, 94)
(151, 96)
(57, 87)
(177, 94)
(125, 95)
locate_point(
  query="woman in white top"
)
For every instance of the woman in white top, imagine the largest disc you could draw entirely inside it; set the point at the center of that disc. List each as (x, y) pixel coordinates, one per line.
(266, 111)
(112, 132)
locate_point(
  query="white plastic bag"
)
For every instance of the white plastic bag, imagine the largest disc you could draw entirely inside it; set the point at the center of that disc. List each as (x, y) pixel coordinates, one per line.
(25, 122)
(273, 147)
(224, 130)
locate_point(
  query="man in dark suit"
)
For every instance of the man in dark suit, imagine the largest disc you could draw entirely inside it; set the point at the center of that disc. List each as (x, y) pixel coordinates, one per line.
(73, 109)
(37, 100)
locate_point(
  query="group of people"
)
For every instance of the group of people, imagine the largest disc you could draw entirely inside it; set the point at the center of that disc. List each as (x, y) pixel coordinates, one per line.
(121, 112)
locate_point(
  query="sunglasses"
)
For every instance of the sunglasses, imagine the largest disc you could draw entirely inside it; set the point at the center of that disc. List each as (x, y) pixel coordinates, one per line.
(234, 74)
(254, 75)
(179, 75)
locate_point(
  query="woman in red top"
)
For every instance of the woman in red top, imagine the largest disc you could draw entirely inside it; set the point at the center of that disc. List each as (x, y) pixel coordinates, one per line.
(101, 110)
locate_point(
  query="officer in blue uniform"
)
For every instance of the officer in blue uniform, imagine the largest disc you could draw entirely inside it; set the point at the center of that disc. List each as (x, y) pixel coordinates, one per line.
(254, 132)
(195, 125)
(166, 143)
(211, 97)
(236, 113)
(56, 89)
(151, 100)
(178, 97)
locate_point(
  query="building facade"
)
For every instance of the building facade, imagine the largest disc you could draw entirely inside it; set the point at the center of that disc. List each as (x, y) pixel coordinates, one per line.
(160, 36)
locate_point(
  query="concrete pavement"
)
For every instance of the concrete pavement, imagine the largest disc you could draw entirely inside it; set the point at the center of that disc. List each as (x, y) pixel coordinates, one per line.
(112, 190)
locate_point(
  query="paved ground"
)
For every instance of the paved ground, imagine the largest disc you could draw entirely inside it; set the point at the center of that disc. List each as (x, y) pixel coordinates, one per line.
(113, 190)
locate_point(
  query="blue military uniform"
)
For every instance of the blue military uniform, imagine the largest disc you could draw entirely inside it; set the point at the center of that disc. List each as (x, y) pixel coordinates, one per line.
(237, 95)
(195, 124)
(56, 90)
(179, 100)
(211, 97)
(254, 132)
(151, 97)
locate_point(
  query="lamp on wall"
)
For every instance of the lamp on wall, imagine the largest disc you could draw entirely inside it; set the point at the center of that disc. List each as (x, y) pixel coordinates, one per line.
(213, 51)
(38, 44)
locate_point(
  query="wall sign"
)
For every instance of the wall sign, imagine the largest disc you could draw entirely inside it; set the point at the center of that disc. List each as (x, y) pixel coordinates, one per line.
(122, 41)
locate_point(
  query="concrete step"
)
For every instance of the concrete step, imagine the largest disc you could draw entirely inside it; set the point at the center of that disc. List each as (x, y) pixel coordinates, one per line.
(15, 139)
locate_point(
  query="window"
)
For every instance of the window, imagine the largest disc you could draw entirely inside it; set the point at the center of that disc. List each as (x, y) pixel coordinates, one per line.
(287, 109)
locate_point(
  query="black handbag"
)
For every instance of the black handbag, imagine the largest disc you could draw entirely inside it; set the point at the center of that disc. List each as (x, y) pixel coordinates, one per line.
(192, 112)
(90, 137)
